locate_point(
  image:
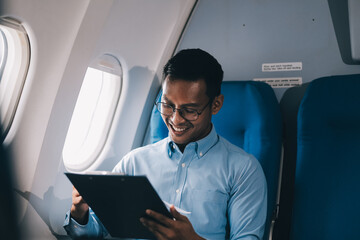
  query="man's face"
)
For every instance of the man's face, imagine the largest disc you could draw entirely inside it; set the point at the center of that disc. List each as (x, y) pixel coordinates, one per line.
(180, 94)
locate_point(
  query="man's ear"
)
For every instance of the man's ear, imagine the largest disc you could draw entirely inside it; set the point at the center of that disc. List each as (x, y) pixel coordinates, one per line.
(217, 104)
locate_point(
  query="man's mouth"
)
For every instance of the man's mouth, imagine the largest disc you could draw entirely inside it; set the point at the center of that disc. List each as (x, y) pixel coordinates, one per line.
(179, 129)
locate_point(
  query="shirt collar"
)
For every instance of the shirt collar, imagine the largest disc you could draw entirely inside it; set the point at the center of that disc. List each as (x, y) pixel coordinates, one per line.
(202, 146)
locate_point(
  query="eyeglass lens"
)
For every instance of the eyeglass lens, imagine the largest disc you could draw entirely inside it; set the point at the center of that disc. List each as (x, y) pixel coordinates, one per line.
(168, 110)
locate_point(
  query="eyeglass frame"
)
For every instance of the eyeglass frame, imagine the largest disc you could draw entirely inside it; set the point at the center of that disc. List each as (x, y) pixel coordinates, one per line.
(180, 110)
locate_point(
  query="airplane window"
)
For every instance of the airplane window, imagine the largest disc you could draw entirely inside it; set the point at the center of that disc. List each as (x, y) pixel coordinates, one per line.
(3, 52)
(14, 64)
(93, 113)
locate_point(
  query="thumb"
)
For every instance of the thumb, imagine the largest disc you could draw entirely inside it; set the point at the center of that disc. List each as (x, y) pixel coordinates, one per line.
(175, 213)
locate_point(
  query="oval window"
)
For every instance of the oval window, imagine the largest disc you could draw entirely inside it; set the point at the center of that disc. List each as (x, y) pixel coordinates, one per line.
(14, 64)
(93, 113)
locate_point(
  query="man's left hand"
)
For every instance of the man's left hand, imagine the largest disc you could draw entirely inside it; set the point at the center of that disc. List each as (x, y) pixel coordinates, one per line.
(166, 228)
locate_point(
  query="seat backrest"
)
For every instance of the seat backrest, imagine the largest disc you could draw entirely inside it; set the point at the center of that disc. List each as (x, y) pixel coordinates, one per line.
(327, 192)
(250, 118)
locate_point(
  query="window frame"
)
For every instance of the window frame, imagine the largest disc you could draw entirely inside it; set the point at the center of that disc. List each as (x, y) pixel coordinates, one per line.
(77, 160)
(20, 61)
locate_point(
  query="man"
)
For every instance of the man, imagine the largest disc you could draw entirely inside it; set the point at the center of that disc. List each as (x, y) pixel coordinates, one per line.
(221, 187)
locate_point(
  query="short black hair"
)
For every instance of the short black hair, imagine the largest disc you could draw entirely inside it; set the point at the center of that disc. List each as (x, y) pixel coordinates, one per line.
(195, 64)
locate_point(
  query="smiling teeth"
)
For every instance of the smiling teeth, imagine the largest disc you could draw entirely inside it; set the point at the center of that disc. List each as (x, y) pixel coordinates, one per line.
(179, 129)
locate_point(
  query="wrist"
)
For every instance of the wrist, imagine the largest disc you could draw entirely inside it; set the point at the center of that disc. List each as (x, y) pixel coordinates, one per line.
(83, 220)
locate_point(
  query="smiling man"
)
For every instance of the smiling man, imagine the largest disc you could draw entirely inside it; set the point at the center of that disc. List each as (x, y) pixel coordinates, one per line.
(221, 188)
(190, 119)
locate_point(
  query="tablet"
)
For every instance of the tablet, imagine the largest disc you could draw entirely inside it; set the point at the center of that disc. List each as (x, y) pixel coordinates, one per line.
(119, 201)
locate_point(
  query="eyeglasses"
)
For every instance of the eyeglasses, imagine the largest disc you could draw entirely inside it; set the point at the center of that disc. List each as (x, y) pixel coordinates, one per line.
(189, 114)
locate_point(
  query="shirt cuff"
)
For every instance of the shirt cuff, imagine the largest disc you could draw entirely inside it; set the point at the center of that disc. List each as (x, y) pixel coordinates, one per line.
(76, 230)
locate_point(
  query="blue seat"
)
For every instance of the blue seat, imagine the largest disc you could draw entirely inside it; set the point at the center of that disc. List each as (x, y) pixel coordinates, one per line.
(250, 118)
(327, 192)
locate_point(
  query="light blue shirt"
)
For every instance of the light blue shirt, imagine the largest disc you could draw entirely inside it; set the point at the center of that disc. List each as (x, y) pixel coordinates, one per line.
(215, 182)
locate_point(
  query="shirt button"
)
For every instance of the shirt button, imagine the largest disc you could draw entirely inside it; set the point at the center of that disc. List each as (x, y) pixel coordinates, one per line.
(201, 154)
(183, 165)
(177, 190)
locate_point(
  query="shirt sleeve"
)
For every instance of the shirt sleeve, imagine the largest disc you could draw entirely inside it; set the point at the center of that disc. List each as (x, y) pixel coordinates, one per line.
(125, 165)
(248, 203)
(93, 229)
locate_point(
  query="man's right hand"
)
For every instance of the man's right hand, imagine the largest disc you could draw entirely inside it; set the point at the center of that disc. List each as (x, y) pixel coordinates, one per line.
(79, 209)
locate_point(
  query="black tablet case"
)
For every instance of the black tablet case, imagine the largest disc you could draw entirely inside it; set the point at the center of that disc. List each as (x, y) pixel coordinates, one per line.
(119, 201)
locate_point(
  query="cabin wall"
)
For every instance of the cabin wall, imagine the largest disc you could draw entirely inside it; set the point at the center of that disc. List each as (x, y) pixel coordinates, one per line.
(65, 36)
(243, 35)
(51, 32)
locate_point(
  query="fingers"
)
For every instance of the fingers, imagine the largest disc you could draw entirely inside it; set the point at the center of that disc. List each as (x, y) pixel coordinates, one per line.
(75, 192)
(165, 228)
(176, 214)
(161, 228)
(157, 229)
(79, 208)
(160, 218)
(76, 197)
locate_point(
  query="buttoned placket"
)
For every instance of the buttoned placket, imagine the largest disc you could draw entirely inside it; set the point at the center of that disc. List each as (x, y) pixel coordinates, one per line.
(184, 161)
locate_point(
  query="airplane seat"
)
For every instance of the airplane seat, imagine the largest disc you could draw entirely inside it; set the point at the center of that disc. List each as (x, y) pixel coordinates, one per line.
(289, 107)
(250, 118)
(326, 191)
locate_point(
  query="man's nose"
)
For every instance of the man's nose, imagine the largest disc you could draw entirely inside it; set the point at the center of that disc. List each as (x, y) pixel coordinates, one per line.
(177, 118)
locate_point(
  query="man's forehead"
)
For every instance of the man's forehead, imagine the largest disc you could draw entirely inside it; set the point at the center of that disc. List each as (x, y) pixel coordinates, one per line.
(184, 83)
(184, 102)
(184, 94)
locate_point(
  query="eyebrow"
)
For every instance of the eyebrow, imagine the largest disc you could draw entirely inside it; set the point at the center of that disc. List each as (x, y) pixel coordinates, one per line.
(183, 105)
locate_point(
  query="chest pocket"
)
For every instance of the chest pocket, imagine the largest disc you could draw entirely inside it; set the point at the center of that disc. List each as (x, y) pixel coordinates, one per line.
(208, 207)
